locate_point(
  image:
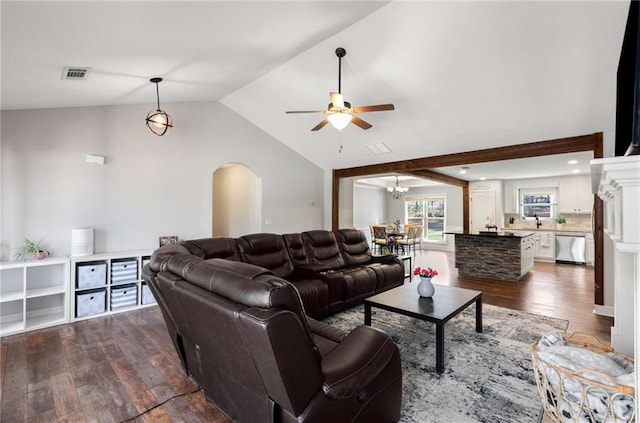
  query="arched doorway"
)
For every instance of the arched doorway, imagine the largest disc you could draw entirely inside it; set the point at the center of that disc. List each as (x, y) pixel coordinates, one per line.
(237, 201)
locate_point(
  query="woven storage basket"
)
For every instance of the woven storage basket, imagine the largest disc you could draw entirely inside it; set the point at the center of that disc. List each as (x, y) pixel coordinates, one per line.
(573, 396)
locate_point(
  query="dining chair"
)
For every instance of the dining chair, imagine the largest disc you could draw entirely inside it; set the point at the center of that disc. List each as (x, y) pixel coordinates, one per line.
(406, 242)
(417, 238)
(379, 237)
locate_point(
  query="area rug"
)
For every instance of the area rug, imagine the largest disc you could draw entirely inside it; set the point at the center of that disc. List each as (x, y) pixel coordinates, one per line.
(488, 376)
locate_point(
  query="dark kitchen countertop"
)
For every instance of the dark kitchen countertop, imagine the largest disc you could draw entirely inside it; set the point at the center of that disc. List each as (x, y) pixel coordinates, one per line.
(509, 234)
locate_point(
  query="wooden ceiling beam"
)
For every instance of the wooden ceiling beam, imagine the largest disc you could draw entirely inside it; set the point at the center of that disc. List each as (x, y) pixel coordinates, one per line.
(438, 177)
(519, 151)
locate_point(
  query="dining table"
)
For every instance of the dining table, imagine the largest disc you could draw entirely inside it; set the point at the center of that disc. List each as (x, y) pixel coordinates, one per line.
(392, 237)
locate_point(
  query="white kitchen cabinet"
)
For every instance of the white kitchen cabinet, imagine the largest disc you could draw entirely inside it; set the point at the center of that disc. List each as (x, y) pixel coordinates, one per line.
(545, 246)
(485, 203)
(527, 252)
(107, 283)
(574, 195)
(590, 255)
(33, 294)
(510, 191)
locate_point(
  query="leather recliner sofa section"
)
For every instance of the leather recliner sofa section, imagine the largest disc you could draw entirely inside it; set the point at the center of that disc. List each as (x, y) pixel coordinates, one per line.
(242, 334)
(331, 270)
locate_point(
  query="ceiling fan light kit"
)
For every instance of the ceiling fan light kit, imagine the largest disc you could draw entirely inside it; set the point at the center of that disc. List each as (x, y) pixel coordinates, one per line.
(340, 112)
(340, 120)
(158, 121)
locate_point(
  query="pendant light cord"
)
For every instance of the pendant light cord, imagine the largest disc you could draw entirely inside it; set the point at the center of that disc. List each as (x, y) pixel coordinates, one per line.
(158, 95)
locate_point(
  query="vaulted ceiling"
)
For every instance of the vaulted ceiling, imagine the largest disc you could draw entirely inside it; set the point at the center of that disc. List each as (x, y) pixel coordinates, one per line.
(462, 75)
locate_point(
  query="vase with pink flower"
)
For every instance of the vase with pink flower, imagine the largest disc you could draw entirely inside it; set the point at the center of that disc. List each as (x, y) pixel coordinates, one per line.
(425, 287)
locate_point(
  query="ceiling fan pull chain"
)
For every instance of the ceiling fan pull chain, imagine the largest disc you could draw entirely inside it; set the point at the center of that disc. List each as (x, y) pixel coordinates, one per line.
(340, 149)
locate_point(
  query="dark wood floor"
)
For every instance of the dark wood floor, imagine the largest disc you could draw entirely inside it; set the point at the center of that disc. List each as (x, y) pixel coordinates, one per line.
(110, 369)
(565, 291)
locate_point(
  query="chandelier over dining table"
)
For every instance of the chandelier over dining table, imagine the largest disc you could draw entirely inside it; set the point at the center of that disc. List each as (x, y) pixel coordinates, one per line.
(397, 192)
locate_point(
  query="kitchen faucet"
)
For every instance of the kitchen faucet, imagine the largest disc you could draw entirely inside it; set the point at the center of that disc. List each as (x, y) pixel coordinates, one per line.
(538, 222)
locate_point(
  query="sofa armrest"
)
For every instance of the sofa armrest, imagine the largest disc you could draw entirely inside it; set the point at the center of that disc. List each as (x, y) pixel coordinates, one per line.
(356, 361)
(384, 258)
(311, 269)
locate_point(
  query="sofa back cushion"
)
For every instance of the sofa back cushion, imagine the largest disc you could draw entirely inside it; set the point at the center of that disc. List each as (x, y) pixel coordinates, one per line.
(220, 247)
(354, 246)
(322, 249)
(268, 251)
(295, 245)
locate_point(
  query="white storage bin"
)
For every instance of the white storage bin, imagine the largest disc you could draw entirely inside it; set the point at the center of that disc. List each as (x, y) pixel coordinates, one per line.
(124, 296)
(91, 274)
(123, 271)
(91, 302)
(147, 296)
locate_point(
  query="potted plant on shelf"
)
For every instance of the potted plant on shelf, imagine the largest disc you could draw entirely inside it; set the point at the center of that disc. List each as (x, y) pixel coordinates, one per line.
(560, 221)
(31, 250)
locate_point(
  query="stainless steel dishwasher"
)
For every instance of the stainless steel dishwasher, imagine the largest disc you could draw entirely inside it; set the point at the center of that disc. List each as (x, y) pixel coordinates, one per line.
(570, 248)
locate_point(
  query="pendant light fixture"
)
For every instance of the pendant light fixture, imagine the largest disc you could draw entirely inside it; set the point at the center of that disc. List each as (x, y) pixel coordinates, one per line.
(158, 120)
(397, 192)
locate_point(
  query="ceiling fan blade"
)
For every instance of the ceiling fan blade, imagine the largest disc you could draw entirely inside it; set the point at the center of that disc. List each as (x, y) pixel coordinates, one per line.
(320, 125)
(307, 111)
(361, 123)
(376, 108)
(337, 100)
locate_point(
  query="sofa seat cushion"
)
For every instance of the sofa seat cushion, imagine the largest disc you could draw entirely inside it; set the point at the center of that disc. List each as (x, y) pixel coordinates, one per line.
(388, 275)
(315, 296)
(359, 283)
(326, 337)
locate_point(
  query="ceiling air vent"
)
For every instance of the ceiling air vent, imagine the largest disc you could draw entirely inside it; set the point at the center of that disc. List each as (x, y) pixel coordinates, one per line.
(379, 148)
(75, 73)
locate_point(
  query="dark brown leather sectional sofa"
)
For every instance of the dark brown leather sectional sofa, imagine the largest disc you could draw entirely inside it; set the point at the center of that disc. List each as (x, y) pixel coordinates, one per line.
(331, 270)
(242, 331)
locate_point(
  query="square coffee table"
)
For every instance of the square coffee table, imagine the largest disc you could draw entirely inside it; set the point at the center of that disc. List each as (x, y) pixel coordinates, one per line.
(447, 302)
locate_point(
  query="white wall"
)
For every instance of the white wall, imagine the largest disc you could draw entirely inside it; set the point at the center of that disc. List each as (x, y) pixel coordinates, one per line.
(369, 206)
(149, 185)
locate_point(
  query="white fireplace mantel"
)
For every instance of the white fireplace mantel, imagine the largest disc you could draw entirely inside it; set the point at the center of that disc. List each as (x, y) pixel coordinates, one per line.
(616, 180)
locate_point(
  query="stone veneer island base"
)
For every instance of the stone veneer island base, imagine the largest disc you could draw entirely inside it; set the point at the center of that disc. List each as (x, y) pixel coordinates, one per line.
(506, 256)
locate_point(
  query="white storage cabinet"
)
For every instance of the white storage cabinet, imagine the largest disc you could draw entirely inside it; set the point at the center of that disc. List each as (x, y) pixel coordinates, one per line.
(33, 294)
(108, 283)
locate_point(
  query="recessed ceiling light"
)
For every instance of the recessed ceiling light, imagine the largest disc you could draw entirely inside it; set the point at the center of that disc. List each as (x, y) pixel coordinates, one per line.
(463, 170)
(483, 179)
(575, 171)
(572, 162)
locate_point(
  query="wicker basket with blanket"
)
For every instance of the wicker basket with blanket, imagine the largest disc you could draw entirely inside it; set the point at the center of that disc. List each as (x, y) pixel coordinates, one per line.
(582, 380)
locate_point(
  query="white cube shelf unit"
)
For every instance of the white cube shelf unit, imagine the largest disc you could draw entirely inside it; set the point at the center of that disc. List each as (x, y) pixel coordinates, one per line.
(33, 294)
(108, 283)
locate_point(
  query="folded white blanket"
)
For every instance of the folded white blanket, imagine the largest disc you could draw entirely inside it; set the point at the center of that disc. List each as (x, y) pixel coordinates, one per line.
(587, 403)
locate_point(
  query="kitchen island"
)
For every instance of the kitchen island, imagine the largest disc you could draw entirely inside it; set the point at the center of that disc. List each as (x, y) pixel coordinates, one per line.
(506, 256)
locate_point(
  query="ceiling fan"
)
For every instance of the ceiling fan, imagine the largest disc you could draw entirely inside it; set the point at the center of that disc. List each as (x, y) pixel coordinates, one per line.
(340, 111)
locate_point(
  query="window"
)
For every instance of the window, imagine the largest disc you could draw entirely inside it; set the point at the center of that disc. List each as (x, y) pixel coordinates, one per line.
(541, 202)
(429, 212)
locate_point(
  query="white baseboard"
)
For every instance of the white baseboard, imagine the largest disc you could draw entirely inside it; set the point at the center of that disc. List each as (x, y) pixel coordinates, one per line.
(601, 310)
